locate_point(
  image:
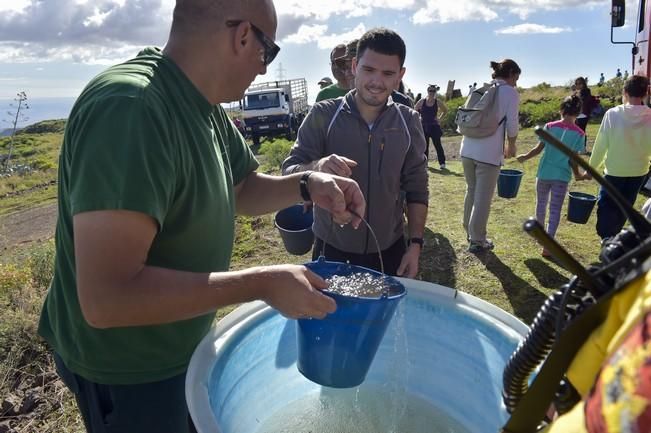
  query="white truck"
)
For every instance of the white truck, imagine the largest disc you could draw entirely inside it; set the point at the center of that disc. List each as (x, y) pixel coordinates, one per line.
(274, 108)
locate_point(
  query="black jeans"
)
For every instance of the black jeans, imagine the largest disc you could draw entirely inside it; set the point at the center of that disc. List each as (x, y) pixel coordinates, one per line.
(391, 257)
(610, 220)
(583, 123)
(157, 407)
(434, 133)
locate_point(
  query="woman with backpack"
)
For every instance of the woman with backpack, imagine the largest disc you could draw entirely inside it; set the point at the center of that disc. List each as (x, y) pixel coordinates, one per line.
(554, 168)
(483, 151)
(429, 117)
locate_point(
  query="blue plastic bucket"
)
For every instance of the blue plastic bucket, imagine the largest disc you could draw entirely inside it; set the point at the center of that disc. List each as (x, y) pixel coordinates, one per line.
(338, 350)
(508, 183)
(295, 227)
(580, 207)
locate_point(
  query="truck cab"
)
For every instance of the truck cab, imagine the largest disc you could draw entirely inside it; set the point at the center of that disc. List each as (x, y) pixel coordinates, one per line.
(274, 109)
(641, 49)
(641, 59)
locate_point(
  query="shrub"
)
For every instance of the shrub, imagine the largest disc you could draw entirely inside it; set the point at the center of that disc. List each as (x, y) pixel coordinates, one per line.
(275, 152)
(447, 123)
(534, 113)
(41, 263)
(542, 86)
(14, 277)
(43, 164)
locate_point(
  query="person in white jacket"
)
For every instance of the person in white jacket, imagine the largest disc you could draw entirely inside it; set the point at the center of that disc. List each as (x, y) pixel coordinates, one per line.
(623, 147)
(482, 157)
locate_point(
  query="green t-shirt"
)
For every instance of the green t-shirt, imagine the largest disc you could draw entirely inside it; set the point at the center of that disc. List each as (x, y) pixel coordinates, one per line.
(331, 92)
(141, 137)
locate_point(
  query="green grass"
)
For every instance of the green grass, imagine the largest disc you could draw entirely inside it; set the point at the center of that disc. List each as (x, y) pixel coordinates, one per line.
(38, 149)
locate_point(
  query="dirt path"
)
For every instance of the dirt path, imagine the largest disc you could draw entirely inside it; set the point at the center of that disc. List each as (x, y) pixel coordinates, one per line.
(26, 226)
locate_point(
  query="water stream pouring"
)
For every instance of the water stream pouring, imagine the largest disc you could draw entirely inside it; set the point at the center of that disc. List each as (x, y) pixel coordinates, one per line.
(338, 350)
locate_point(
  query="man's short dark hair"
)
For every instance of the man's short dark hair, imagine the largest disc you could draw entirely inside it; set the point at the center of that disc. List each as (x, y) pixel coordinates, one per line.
(636, 86)
(383, 41)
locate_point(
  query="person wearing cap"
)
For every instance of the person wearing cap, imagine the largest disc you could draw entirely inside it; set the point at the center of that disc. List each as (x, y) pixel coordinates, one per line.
(367, 136)
(324, 82)
(340, 64)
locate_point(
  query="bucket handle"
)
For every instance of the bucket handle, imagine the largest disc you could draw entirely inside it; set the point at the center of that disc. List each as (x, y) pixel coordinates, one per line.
(385, 293)
(370, 229)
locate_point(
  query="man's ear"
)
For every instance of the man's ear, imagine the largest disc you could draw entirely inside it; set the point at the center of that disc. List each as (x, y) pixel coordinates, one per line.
(402, 72)
(353, 65)
(242, 36)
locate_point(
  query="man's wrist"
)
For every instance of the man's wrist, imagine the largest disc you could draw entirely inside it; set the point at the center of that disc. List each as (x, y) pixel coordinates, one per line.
(415, 240)
(304, 186)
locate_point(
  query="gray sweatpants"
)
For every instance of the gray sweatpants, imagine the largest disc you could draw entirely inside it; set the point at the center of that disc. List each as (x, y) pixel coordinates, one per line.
(481, 181)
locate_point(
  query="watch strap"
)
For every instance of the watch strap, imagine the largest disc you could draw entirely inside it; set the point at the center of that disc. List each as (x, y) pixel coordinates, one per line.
(419, 241)
(302, 183)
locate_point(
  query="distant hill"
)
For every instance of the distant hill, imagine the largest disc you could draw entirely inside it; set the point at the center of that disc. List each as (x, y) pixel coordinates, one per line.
(5, 132)
(39, 109)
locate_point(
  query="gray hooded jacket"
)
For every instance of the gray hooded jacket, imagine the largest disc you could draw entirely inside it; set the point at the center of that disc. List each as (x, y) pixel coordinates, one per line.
(390, 156)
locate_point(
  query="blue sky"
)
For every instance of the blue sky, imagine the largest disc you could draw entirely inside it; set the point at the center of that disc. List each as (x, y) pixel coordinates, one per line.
(52, 48)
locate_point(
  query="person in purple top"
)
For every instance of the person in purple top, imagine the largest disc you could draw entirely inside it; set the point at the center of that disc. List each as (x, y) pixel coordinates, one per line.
(428, 108)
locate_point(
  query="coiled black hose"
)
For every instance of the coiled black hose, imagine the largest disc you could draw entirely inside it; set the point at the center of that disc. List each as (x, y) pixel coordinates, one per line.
(535, 347)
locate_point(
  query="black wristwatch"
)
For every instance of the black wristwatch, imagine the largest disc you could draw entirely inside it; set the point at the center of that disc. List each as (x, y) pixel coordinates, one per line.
(419, 241)
(305, 192)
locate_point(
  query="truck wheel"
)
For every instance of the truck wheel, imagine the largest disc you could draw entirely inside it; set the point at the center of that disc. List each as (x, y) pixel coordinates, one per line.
(256, 140)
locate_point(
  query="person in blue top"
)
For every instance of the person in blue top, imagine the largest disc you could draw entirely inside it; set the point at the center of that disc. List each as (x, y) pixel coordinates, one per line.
(554, 168)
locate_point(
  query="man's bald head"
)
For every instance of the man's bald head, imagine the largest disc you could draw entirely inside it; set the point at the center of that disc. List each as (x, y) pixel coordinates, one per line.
(208, 16)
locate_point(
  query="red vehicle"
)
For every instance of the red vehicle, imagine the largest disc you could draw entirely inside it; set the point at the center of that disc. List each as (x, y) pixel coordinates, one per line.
(641, 48)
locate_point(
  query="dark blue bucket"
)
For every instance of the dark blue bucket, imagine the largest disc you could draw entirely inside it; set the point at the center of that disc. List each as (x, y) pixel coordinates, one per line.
(338, 350)
(295, 227)
(580, 207)
(508, 183)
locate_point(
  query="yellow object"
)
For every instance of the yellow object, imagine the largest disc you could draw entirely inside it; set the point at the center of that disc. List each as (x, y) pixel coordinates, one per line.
(612, 371)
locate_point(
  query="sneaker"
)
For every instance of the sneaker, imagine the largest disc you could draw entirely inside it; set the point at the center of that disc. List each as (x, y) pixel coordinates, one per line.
(442, 166)
(479, 246)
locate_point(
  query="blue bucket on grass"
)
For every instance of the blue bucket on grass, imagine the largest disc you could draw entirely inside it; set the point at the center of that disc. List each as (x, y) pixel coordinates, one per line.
(295, 227)
(338, 350)
(580, 207)
(508, 183)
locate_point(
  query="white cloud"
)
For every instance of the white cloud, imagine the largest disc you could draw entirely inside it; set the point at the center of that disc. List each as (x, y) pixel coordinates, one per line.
(98, 31)
(103, 31)
(531, 28)
(306, 34)
(324, 41)
(446, 11)
(13, 5)
(524, 8)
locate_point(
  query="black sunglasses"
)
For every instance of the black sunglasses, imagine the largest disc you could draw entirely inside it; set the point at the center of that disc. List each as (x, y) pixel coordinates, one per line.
(270, 48)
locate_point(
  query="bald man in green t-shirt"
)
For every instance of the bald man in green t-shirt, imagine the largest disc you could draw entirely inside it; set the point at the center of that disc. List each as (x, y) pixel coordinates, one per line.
(151, 175)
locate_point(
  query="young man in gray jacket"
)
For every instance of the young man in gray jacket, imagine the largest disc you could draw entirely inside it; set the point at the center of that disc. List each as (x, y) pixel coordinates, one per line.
(378, 143)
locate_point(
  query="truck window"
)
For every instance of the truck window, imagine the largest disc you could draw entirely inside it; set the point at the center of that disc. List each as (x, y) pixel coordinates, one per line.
(261, 101)
(642, 15)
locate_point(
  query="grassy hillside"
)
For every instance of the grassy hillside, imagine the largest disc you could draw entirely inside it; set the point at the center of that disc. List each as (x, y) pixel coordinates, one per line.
(30, 177)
